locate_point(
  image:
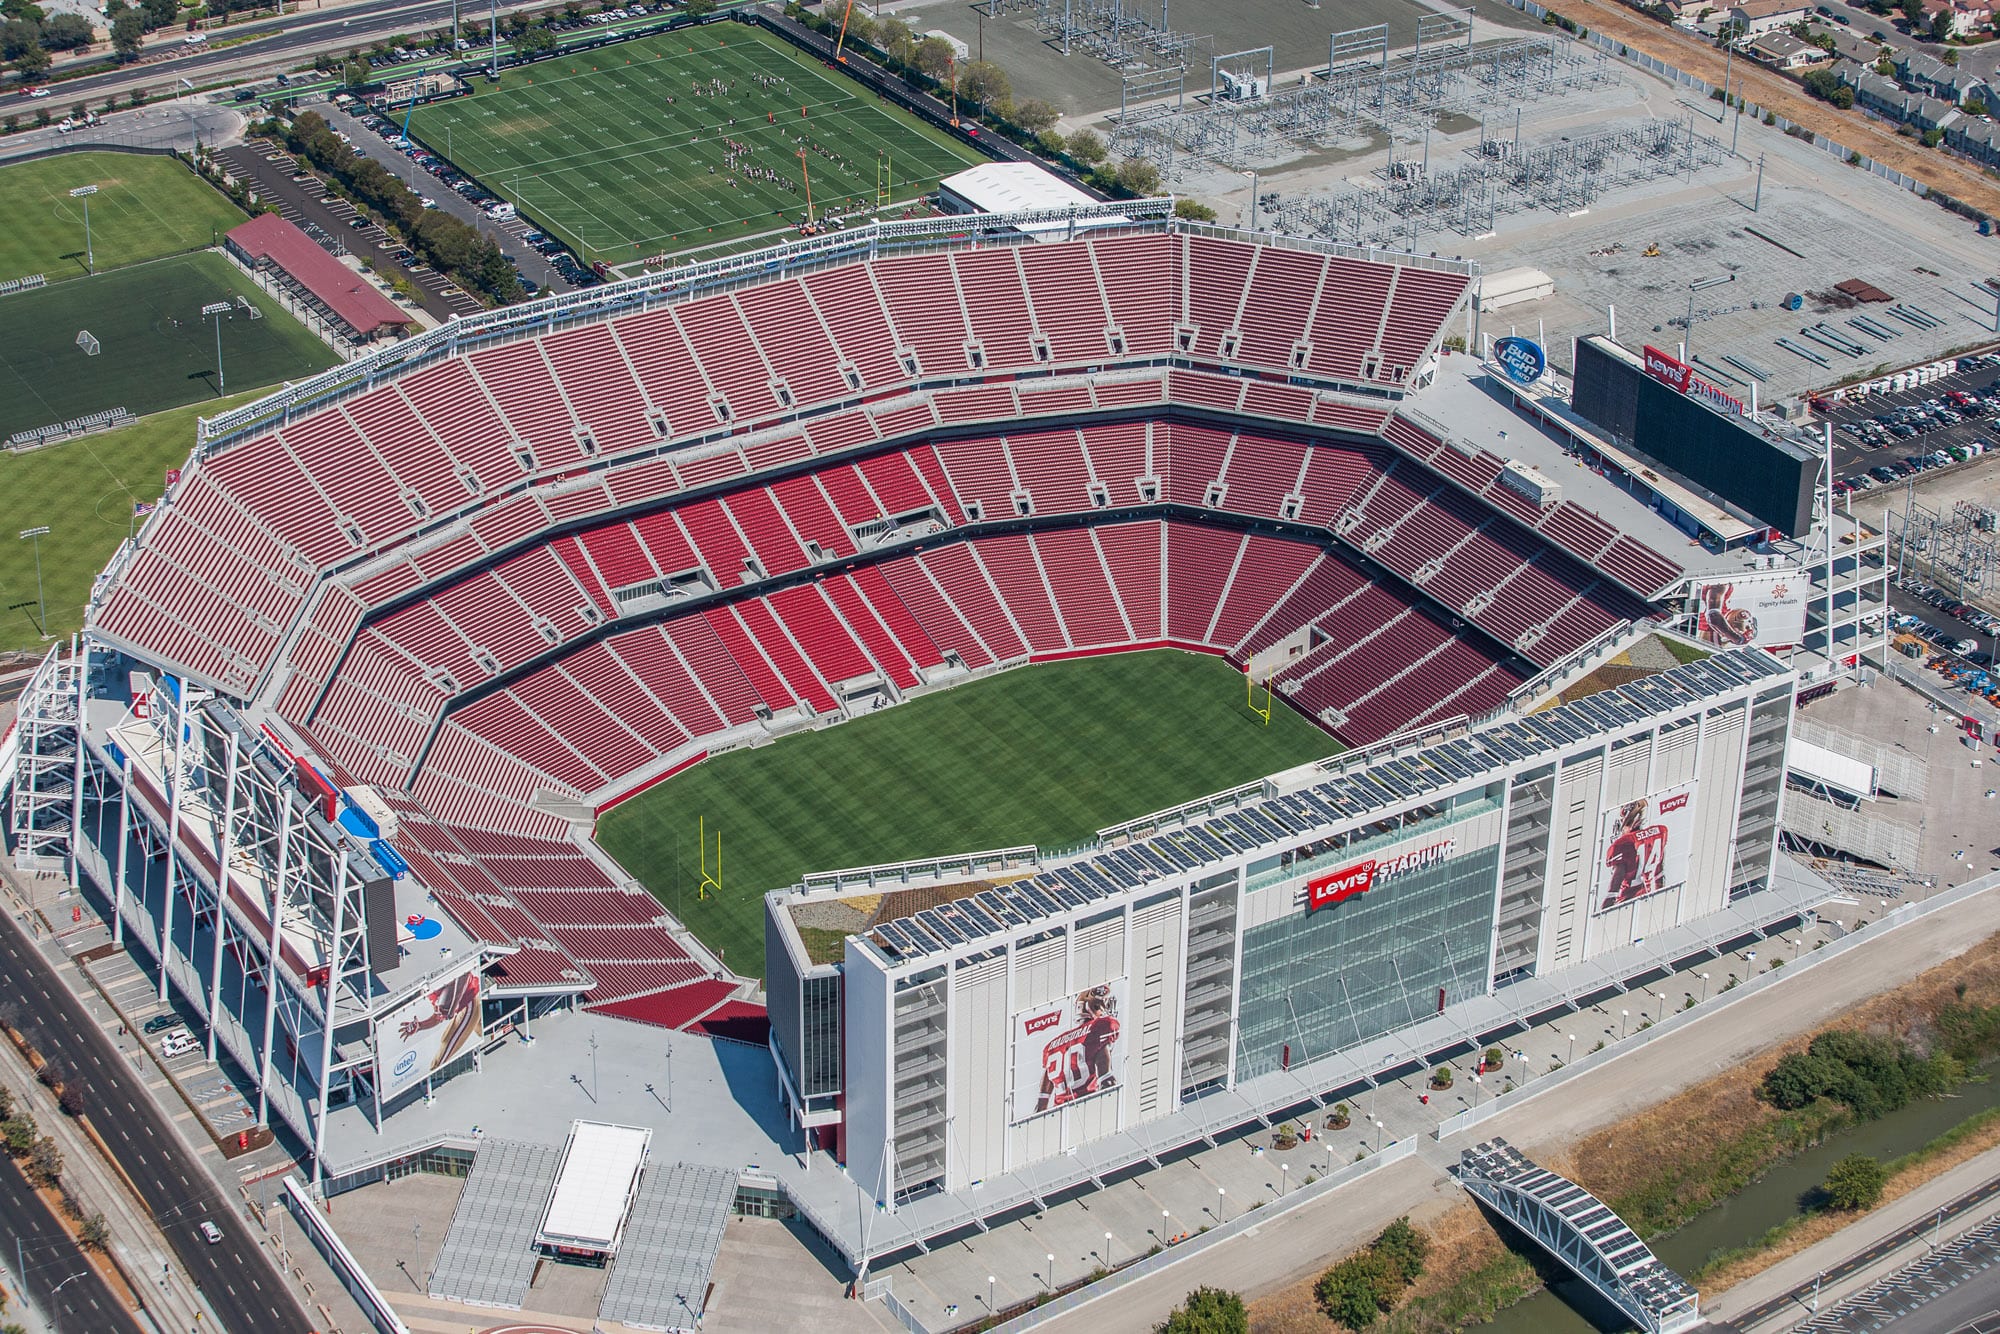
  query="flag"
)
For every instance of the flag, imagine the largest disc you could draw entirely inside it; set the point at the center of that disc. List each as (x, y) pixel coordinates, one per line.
(141, 508)
(173, 475)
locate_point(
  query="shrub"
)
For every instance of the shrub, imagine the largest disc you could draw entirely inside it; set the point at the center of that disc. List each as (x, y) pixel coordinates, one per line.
(71, 1100)
(1855, 1183)
(1358, 1289)
(1208, 1311)
(1404, 1247)
(93, 1234)
(1441, 1077)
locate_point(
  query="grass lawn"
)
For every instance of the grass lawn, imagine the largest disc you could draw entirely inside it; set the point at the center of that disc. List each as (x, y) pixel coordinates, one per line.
(145, 207)
(658, 144)
(1044, 755)
(156, 350)
(83, 490)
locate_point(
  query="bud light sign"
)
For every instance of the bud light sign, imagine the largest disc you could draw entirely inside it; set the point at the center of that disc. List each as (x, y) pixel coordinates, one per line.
(1520, 359)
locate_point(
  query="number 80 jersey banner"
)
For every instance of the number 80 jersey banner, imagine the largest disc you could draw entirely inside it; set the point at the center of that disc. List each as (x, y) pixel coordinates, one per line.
(1069, 1049)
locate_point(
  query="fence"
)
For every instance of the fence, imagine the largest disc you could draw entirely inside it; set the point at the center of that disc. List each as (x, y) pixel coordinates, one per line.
(328, 1243)
(1826, 144)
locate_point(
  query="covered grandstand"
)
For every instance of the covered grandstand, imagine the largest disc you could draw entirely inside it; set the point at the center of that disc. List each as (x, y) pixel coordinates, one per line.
(507, 573)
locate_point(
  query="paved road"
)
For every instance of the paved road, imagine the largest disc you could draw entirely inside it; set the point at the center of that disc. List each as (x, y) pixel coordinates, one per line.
(247, 1294)
(60, 1281)
(1955, 1288)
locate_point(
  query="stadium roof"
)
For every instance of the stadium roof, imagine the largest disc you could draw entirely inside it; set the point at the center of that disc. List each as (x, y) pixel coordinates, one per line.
(351, 297)
(1008, 187)
(600, 1168)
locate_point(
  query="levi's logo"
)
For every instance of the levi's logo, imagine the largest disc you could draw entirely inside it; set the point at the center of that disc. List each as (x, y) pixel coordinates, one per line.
(1326, 889)
(1673, 803)
(1041, 1021)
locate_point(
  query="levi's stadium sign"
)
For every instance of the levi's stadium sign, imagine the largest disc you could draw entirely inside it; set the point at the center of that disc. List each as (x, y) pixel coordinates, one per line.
(1680, 377)
(1323, 891)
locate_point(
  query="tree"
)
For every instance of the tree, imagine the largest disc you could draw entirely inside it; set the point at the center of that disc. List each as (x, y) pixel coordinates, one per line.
(1138, 176)
(934, 56)
(1941, 26)
(67, 32)
(159, 13)
(1405, 1248)
(535, 41)
(1855, 1183)
(1193, 210)
(1036, 116)
(128, 33)
(698, 9)
(33, 61)
(1932, 138)
(1950, 57)
(11, 123)
(71, 1099)
(1975, 106)
(1087, 147)
(1358, 1289)
(985, 83)
(16, 37)
(45, 1162)
(1913, 10)
(93, 1233)
(356, 73)
(1208, 1311)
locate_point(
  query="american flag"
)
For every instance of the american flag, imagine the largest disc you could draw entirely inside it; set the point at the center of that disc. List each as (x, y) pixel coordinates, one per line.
(141, 508)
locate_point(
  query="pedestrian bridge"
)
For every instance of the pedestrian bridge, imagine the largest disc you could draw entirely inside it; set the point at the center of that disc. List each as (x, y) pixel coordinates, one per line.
(1575, 1226)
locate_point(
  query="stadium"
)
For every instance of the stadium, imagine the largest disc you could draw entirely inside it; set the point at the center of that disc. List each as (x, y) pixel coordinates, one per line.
(347, 709)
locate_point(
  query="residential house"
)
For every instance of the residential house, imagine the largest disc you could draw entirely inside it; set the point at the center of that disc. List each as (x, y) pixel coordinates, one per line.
(1967, 16)
(1756, 17)
(1860, 50)
(1781, 50)
(1928, 75)
(1976, 137)
(1875, 92)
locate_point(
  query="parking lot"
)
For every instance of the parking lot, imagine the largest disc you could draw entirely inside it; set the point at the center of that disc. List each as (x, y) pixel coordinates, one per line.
(542, 262)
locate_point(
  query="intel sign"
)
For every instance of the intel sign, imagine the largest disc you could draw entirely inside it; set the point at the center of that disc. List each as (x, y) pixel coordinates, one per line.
(1520, 359)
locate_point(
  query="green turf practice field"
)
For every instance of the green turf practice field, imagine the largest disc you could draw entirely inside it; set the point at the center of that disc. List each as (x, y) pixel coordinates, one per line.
(83, 490)
(1044, 755)
(144, 207)
(685, 139)
(155, 348)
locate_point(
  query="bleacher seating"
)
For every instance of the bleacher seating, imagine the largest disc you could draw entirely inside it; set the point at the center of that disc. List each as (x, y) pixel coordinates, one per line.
(660, 528)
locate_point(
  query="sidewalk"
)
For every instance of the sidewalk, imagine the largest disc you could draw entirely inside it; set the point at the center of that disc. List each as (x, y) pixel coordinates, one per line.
(140, 1252)
(1798, 1271)
(249, 1181)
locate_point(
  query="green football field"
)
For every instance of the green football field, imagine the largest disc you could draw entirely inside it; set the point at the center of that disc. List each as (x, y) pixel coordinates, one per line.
(685, 139)
(155, 350)
(1044, 755)
(144, 207)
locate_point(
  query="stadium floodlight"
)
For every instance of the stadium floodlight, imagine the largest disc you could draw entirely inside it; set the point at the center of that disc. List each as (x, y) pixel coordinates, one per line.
(36, 535)
(84, 192)
(217, 309)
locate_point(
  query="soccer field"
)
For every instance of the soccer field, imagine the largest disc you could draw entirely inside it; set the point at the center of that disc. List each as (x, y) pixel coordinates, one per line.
(144, 207)
(1044, 755)
(685, 139)
(155, 349)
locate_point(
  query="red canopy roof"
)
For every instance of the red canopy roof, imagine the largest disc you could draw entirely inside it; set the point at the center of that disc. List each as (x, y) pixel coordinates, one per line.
(346, 293)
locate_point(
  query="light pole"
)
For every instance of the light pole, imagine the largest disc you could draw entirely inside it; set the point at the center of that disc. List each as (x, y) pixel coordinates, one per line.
(1049, 1271)
(35, 535)
(84, 192)
(989, 1294)
(1166, 1221)
(1284, 1179)
(1704, 986)
(1572, 1049)
(1253, 197)
(1624, 1024)
(217, 309)
(55, 1308)
(1661, 996)
(1107, 1250)
(1378, 1135)
(1220, 1204)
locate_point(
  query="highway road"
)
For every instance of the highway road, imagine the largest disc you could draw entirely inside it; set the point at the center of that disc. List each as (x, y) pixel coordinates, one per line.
(248, 1295)
(60, 1281)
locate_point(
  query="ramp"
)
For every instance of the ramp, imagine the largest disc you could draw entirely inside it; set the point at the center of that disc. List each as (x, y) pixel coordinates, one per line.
(1817, 820)
(488, 1257)
(660, 1278)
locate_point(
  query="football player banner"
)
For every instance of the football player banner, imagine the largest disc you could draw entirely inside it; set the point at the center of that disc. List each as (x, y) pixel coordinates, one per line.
(1645, 847)
(1069, 1049)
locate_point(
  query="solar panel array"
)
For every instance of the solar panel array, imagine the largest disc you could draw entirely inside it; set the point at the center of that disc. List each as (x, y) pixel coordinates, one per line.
(1370, 786)
(660, 1278)
(489, 1256)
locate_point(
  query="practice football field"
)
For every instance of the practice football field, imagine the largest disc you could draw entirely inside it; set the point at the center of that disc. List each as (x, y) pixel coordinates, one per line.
(1045, 755)
(685, 139)
(144, 207)
(155, 350)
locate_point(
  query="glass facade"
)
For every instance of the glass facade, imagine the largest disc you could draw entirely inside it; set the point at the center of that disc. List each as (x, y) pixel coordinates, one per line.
(819, 1037)
(1323, 981)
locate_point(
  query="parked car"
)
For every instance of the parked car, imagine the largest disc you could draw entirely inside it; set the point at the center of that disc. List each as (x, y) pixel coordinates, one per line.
(160, 1023)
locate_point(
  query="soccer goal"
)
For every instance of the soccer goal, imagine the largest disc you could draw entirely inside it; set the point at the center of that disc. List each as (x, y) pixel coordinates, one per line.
(88, 342)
